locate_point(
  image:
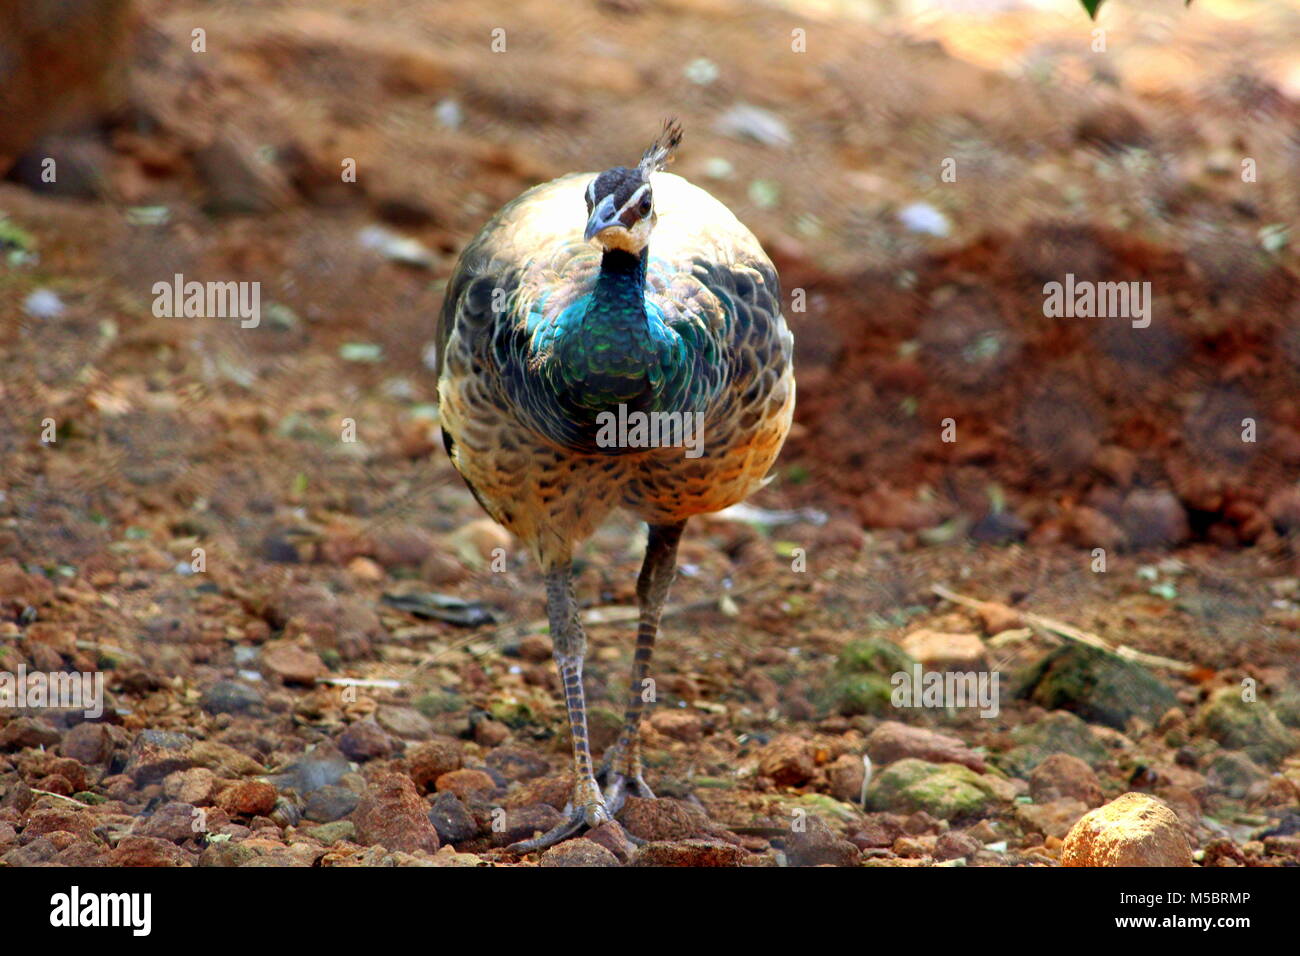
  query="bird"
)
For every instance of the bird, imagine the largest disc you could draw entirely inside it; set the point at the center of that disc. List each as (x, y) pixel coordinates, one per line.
(626, 296)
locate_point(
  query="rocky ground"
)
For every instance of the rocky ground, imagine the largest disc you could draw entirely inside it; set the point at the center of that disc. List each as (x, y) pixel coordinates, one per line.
(343, 674)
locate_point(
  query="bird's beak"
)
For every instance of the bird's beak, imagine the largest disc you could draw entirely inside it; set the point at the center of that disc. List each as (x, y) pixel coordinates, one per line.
(602, 217)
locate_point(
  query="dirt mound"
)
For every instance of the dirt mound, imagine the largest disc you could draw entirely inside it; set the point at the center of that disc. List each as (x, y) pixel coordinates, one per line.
(942, 390)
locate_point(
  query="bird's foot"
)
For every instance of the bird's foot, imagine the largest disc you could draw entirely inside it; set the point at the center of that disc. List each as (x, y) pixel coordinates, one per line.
(585, 816)
(619, 785)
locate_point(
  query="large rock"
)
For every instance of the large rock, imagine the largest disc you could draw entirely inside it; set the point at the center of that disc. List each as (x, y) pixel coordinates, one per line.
(1250, 726)
(1132, 830)
(392, 814)
(860, 683)
(1099, 687)
(944, 790)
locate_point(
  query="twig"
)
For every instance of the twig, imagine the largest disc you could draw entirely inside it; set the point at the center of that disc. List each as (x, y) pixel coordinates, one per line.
(1058, 629)
(51, 793)
(107, 648)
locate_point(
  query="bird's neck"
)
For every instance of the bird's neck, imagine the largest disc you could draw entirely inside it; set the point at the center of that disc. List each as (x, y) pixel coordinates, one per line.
(613, 352)
(618, 301)
(610, 355)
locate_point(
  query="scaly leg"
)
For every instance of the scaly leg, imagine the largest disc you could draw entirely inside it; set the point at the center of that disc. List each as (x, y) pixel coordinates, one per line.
(587, 807)
(622, 766)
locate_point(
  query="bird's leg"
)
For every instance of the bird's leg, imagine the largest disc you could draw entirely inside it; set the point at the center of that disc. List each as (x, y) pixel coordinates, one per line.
(622, 766)
(587, 807)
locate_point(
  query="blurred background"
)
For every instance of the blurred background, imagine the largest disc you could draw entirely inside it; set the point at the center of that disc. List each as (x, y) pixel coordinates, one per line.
(918, 171)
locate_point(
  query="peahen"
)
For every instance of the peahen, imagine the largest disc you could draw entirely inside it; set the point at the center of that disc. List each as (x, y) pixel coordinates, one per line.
(635, 356)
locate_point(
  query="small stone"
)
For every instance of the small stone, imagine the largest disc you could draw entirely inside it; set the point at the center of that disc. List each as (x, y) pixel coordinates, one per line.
(329, 803)
(464, 783)
(21, 732)
(69, 819)
(915, 847)
(397, 547)
(452, 820)
(1090, 528)
(955, 845)
(942, 651)
(90, 743)
(392, 814)
(156, 753)
(996, 618)
(55, 783)
(1132, 830)
(248, 798)
(689, 853)
(523, 823)
(331, 833)
(878, 830)
(405, 722)
(22, 589)
(231, 697)
(148, 851)
(788, 761)
(363, 569)
(1154, 519)
(196, 786)
(678, 724)
(490, 733)
(292, 664)
(664, 819)
(816, 844)
(613, 837)
(894, 741)
(1287, 845)
(223, 760)
(481, 538)
(364, 740)
(579, 852)
(536, 648)
(517, 763)
(430, 760)
(176, 822)
(847, 773)
(1051, 819)
(1063, 775)
(554, 790)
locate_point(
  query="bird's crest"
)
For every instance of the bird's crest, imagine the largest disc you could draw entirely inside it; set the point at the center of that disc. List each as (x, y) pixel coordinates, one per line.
(661, 150)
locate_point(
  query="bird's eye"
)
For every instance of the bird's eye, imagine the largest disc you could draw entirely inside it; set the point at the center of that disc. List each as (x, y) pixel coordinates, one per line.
(645, 205)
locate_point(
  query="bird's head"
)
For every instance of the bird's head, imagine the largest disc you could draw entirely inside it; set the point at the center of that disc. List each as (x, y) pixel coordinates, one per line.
(620, 201)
